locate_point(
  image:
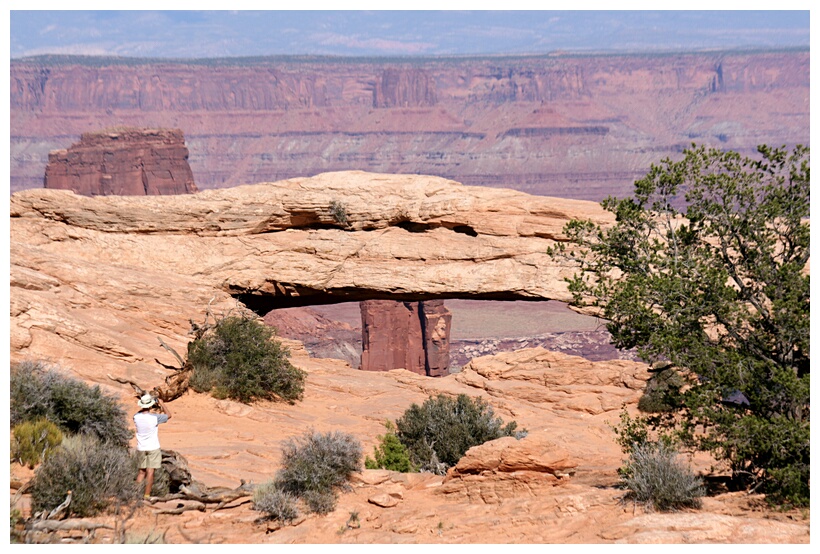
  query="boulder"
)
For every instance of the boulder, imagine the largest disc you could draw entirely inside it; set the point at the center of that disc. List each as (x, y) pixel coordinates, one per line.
(508, 467)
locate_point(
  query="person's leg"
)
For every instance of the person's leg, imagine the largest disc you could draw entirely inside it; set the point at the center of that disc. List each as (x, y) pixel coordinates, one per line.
(140, 475)
(149, 480)
(153, 461)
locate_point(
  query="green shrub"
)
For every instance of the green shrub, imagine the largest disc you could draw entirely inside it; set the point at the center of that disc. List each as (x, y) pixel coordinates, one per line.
(38, 391)
(662, 393)
(315, 465)
(440, 431)
(16, 525)
(655, 477)
(96, 473)
(34, 441)
(390, 453)
(238, 359)
(276, 503)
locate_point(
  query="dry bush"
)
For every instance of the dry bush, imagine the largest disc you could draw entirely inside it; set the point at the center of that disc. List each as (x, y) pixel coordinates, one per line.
(97, 474)
(655, 477)
(315, 465)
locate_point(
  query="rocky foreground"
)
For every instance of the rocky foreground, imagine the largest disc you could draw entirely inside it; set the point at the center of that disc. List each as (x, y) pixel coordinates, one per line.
(557, 485)
(96, 281)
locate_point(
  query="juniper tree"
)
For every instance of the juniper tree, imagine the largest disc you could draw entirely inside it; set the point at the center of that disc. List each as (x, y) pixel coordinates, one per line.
(705, 269)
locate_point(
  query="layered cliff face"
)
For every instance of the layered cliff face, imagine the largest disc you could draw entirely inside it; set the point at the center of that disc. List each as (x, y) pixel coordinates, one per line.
(577, 127)
(124, 162)
(410, 335)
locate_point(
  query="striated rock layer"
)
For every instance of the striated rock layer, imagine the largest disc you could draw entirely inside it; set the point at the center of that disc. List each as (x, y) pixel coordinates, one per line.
(123, 162)
(575, 126)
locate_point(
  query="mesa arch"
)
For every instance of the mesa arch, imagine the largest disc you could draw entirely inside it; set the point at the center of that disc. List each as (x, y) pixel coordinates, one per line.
(95, 280)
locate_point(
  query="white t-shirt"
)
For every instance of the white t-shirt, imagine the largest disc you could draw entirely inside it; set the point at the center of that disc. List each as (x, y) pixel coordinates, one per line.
(147, 435)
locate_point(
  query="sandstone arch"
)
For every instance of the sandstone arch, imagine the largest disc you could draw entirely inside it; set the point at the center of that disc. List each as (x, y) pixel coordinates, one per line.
(96, 280)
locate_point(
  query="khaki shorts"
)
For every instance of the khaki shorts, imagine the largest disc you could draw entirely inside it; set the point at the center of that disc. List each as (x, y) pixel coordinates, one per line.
(149, 458)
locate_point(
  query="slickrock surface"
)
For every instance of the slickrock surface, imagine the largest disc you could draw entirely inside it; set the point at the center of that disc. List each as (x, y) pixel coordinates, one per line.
(124, 162)
(96, 281)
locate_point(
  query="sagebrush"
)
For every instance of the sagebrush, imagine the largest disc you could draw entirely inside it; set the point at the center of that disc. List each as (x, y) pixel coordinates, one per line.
(41, 391)
(338, 212)
(98, 474)
(316, 465)
(657, 478)
(278, 504)
(240, 359)
(440, 431)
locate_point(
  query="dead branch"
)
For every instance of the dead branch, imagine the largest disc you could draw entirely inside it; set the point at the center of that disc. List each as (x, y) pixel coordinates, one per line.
(66, 525)
(176, 384)
(60, 510)
(225, 504)
(137, 389)
(218, 495)
(166, 498)
(172, 351)
(199, 506)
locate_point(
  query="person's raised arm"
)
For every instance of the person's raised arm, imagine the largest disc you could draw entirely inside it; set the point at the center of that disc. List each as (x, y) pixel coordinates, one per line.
(164, 408)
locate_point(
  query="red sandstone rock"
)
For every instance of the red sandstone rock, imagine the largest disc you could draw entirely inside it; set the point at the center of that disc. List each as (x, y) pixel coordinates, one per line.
(410, 335)
(436, 320)
(129, 162)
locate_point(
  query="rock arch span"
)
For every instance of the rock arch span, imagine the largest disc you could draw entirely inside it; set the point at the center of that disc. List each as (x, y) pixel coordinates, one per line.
(97, 279)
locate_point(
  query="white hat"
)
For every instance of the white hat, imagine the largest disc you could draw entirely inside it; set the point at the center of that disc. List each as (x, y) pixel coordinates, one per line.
(146, 401)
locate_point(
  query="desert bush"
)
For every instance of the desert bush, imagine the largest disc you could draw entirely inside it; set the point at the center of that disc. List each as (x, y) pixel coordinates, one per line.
(239, 359)
(276, 503)
(440, 431)
(338, 212)
(655, 477)
(662, 393)
(320, 502)
(390, 453)
(39, 391)
(96, 473)
(34, 441)
(317, 464)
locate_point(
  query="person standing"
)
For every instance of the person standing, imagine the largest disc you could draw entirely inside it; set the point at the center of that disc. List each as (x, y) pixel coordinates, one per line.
(149, 454)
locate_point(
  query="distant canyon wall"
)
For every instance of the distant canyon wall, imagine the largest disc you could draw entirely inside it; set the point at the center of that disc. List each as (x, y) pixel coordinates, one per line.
(577, 127)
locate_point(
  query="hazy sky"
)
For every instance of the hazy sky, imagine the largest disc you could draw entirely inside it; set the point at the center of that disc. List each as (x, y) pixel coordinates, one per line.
(393, 33)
